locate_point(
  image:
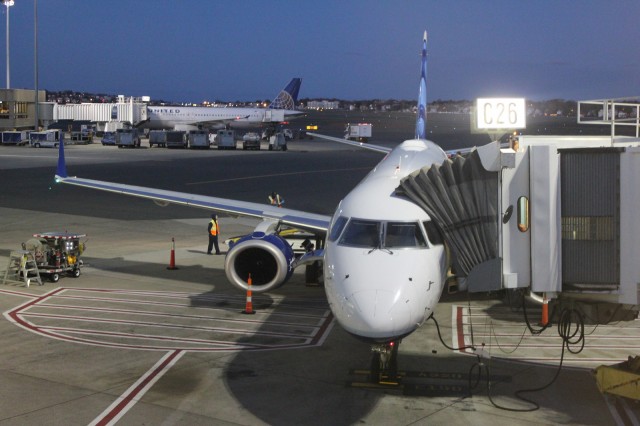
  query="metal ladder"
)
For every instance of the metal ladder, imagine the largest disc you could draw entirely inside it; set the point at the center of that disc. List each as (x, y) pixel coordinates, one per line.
(22, 267)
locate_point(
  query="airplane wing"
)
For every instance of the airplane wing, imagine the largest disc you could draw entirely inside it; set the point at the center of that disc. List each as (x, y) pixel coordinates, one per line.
(377, 148)
(315, 223)
(384, 149)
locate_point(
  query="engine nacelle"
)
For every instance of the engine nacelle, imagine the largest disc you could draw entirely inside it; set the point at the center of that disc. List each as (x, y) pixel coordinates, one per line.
(267, 257)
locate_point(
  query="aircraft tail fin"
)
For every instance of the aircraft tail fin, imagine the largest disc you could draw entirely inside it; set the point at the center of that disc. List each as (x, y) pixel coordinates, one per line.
(421, 120)
(62, 165)
(288, 97)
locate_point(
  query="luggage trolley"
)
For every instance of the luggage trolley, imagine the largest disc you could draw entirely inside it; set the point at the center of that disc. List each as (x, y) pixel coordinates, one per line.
(57, 253)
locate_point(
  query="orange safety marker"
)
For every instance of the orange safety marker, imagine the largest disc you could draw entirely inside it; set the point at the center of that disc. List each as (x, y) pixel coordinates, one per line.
(172, 260)
(249, 305)
(545, 311)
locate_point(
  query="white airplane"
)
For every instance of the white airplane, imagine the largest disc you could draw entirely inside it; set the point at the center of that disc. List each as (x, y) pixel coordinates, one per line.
(384, 263)
(193, 118)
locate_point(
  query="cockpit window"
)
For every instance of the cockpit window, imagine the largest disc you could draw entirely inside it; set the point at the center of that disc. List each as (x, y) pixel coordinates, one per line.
(368, 233)
(337, 228)
(361, 233)
(402, 234)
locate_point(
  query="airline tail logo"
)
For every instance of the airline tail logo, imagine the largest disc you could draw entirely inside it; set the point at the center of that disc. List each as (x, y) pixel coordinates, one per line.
(288, 97)
(421, 120)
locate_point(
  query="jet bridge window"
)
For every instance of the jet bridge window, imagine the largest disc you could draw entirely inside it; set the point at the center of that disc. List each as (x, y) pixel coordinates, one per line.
(402, 234)
(361, 233)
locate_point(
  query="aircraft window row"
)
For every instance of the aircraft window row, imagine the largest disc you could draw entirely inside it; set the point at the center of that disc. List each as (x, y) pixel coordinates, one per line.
(371, 234)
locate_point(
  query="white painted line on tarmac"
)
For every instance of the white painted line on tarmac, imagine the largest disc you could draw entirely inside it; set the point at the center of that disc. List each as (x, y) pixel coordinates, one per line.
(131, 396)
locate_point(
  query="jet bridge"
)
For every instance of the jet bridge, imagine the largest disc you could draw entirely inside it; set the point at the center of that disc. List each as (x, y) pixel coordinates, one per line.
(555, 215)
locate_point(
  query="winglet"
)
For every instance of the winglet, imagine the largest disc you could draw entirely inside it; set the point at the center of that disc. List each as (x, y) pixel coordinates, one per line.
(421, 120)
(288, 97)
(62, 166)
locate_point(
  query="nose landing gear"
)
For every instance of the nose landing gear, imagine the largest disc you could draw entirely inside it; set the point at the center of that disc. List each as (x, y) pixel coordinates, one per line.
(384, 363)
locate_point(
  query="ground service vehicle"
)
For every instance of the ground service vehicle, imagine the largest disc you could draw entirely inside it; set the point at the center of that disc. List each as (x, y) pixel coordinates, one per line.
(176, 139)
(15, 137)
(251, 141)
(277, 142)
(360, 132)
(127, 137)
(46, 138)
(57, 253)
(226, 139)
(198, 139)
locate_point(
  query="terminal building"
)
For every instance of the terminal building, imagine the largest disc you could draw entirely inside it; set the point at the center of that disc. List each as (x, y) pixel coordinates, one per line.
(18, 111)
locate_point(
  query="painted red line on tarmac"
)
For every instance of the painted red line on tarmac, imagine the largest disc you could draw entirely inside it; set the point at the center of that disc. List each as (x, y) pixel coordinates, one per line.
(18, 293)
(459, 328)
(127, 400)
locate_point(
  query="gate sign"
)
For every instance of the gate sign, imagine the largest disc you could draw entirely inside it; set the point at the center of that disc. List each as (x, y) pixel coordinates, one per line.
(500, 113)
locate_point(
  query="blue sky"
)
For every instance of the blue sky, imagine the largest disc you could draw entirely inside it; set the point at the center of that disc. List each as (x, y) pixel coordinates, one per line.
(194, 50)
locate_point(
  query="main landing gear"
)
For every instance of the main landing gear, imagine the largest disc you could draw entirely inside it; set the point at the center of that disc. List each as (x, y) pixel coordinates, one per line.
(384, 363)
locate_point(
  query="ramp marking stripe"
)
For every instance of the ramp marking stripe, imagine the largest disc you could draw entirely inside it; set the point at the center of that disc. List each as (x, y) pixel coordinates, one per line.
(131, 396)
(168, 315)
(163, 325)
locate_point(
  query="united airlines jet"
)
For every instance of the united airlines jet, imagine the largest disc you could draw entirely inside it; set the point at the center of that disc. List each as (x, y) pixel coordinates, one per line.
(282, 108)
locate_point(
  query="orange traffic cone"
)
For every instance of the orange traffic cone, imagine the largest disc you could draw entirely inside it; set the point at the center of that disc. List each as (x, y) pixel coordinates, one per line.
(172, 260)
(249, 305)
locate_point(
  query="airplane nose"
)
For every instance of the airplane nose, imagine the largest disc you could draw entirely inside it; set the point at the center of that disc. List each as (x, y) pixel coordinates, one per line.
(379, 314)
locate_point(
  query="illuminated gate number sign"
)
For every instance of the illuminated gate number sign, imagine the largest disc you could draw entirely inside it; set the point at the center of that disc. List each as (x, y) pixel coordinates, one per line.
(500, 113)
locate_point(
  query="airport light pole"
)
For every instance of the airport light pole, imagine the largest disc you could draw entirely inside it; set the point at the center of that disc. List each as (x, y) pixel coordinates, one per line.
(8, 4)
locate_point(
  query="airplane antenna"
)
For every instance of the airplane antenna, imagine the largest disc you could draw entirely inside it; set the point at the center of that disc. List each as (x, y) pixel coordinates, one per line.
(421, 120)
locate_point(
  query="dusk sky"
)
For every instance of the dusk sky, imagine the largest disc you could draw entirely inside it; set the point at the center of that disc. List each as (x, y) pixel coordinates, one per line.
(195, 50)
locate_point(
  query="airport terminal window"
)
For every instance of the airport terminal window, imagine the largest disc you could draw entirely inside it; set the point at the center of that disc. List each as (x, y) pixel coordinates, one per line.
(403, 234)
(21, 109)
(433, 233)
(361, 233)
(4, 110)
(337, 228)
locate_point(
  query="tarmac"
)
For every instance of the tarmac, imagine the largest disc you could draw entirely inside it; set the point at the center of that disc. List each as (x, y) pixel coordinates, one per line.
(133, 342)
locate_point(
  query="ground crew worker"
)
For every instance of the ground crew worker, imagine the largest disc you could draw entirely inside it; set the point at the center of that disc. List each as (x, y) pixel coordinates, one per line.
(275, 199)
(213, 230)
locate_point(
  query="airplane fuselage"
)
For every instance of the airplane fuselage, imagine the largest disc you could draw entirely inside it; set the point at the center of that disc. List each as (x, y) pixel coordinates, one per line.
(170, 117)
(384, 272)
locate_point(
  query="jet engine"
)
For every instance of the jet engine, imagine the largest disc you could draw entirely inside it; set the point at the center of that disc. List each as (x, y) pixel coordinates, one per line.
(266, 257)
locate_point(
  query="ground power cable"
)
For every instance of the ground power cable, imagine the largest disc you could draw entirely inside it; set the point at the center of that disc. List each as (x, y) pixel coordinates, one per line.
(572, 334)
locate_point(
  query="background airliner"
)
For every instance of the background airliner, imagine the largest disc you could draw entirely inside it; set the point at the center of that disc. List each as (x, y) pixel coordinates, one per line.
(384, 262)
(194, 118)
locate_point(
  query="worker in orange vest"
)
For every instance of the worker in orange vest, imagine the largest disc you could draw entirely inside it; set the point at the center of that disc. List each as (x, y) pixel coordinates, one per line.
(275, 199)
(213, 231)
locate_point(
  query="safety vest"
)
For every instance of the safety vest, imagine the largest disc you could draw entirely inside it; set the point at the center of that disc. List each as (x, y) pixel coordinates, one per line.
(214, 228)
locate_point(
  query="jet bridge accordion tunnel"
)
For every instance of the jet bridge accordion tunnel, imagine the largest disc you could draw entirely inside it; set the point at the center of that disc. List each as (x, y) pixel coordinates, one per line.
(555, 215)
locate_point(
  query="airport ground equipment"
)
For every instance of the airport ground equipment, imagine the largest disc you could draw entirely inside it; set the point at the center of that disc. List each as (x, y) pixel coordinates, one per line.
(158, 138)
(198, 139)
(251, 140)
(226, 139)
(360, 132)
(176, 139)
(621, 379)
(57, 253)
(46, 138)
(22, 267)
(84, 135)
(128, 138)
(108, 138)
(277, 142)
(15, 137)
